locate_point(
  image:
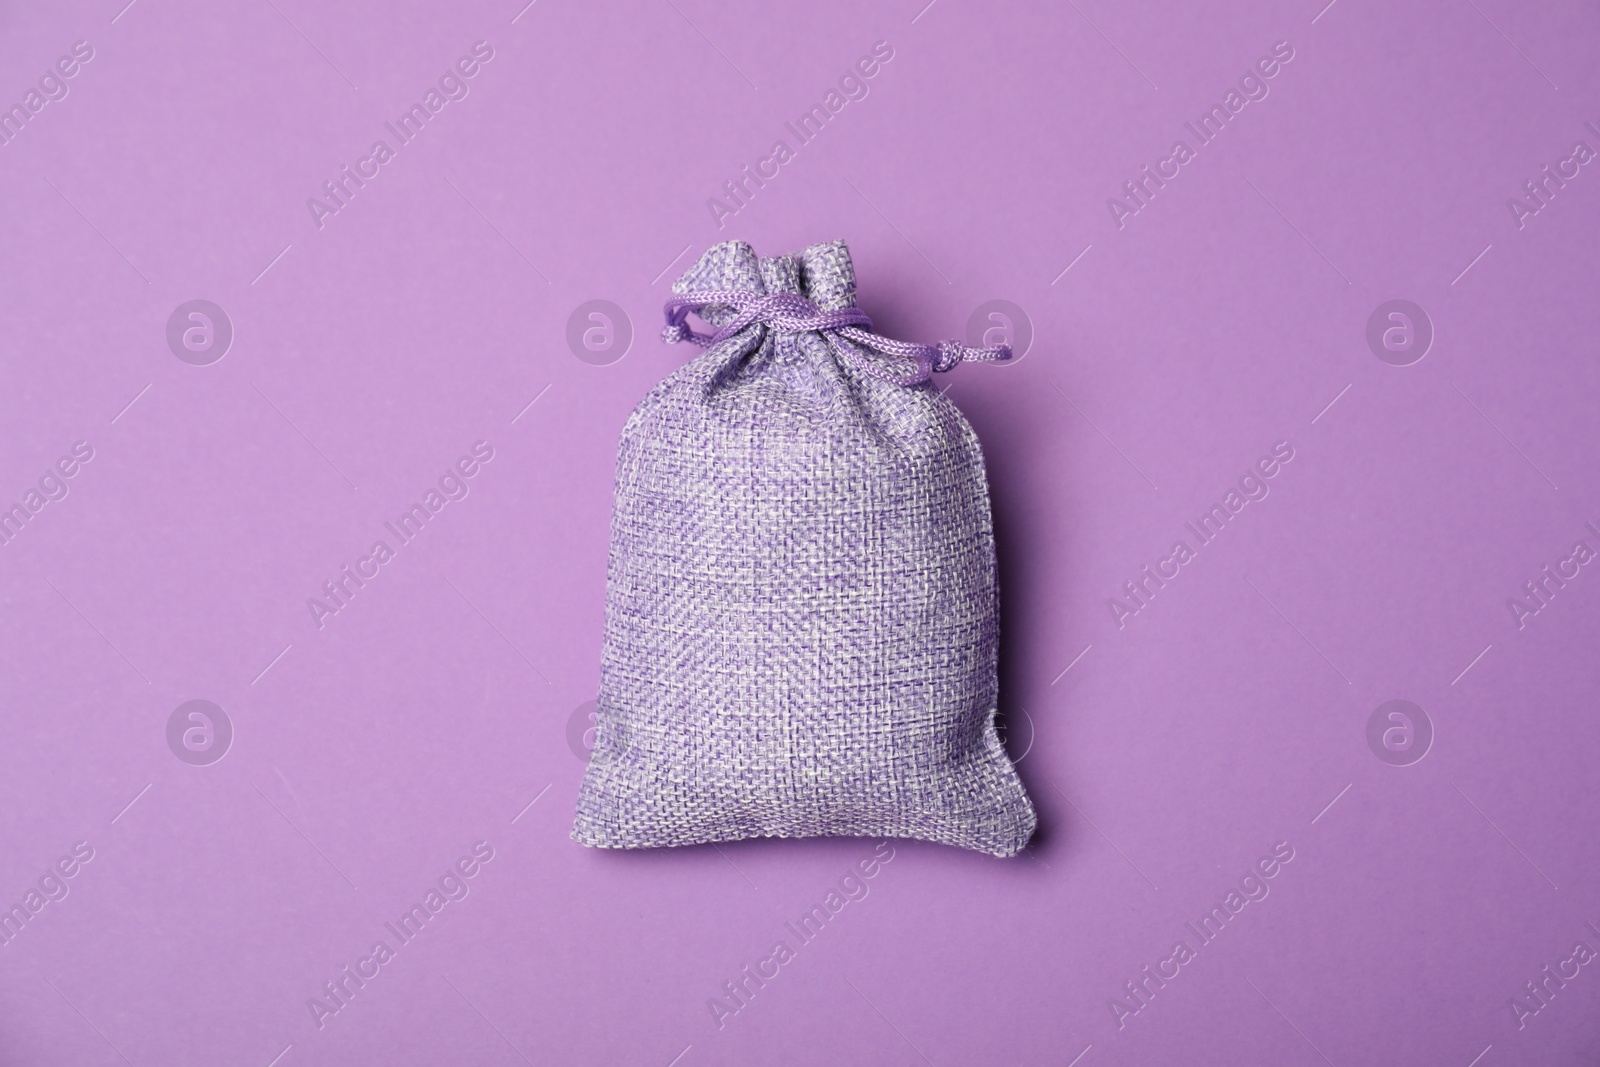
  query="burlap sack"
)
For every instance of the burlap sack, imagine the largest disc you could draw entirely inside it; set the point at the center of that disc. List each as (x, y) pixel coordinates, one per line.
(801, 604)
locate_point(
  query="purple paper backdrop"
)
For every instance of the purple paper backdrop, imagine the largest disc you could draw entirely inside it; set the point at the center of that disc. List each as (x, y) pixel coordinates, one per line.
(1235, 302)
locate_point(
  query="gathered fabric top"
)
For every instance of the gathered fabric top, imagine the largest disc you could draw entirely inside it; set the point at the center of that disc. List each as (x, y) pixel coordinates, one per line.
(736, 308)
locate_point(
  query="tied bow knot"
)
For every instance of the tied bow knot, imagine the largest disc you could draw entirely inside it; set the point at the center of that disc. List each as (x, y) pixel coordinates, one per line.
(846, 329)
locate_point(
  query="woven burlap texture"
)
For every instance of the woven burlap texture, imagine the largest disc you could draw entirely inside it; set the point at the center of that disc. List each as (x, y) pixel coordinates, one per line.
(801, 604)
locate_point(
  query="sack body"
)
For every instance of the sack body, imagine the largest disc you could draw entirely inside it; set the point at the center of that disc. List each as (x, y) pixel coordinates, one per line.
(801, 604)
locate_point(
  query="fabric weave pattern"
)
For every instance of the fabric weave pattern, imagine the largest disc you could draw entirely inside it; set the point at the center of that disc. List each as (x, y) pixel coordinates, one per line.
(801, 607)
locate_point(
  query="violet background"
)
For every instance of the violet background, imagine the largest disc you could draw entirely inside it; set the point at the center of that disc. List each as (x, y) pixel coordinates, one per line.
(425, 716)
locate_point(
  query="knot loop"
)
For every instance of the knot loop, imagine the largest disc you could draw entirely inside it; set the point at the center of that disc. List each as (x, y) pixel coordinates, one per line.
(948, 355)
(846, 329)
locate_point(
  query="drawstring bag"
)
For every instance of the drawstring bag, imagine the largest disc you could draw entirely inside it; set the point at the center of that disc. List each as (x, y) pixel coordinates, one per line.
(801, 604)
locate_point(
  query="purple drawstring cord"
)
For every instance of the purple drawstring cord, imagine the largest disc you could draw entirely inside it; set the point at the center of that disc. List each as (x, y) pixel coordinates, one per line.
(793, 313)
